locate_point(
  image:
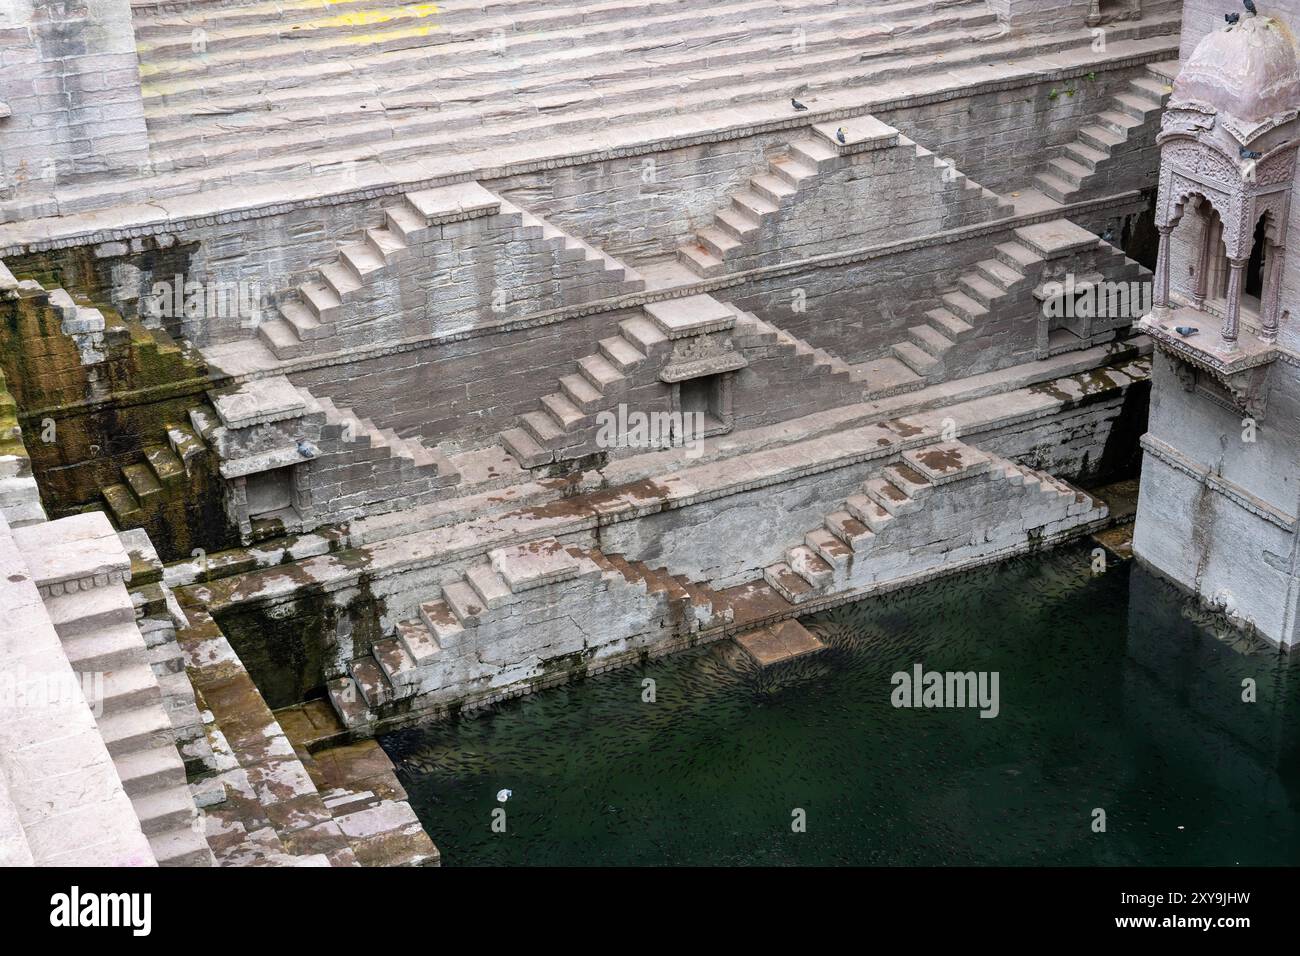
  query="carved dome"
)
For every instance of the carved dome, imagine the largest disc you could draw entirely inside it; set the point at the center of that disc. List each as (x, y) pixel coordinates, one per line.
(1248, 70)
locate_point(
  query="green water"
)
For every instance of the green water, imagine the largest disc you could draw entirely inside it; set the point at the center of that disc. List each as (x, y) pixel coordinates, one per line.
(1113, 695)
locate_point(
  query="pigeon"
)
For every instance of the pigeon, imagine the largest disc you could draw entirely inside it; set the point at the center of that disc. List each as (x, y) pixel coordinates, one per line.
(839, 135)
(1186, 330)
(1250, 6)
(307, 449)
(1232, 18)
(504, 795)
(1249, 153)
(796, 104)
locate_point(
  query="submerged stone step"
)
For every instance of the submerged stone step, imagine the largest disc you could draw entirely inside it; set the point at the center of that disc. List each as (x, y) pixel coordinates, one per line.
(778, 643)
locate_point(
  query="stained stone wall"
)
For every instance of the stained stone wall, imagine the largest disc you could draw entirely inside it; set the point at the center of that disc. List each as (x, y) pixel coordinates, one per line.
(68, 72)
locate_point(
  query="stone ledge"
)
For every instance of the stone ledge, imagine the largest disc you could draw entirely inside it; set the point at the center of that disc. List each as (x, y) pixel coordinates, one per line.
(862, 134)
(1171, 456)
(77, 553)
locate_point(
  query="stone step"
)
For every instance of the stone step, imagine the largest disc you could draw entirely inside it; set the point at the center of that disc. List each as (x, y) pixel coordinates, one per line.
(1089, 157)
(151, 769)
(980, 289)
(869, 512)
(1054, 187)
(850, 530)
(889, 496)
(1100, 138)
(737, 223)
(1135, 105)
(998, 273)
(545, 70)
(128, 688)
(106, 646)
(915, 358)
(166, 465)
(348, 702)
(699, 260)
(181, 846)
(809, 565)
(1063, 167)
(396, 42)
(944, 462)
(791, 585)
(644, 335)
(490, 587)
(88, 612)
(418, 640)
(622, 353)
(713, 96)
(1017, 255)
(164, 810)
(135, 730)
(1118, 122)
(929, 339)
(371, 682)
(398, 667)
(910, 482)
(581, 393)
(124, 505)
(963, 305)
(541, 426)
(525, 449)
(828, 547)
(778, 643)
(469, 608)
(597, 370)
(563, 412)
(944, 321)
(1154, 89)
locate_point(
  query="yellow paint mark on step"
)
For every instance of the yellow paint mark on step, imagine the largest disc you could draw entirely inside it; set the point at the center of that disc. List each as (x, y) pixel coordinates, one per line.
(365, 18)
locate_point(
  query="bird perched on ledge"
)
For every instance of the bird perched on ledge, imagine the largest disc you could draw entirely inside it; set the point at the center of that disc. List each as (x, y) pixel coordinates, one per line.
(1232, 18)
(839, 135)
(1250, 6)
(1186, 330)
(1245, 153)
(796, 104)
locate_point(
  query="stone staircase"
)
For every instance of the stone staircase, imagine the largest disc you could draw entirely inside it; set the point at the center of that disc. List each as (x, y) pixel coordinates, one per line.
(769, 196)
(1079, 164)
(414, 660)
(929, 501)
(413, 457)
(95, 618)
(268, 88)
(268, 809)
(162, 474)
(625, 368)
(313, 315)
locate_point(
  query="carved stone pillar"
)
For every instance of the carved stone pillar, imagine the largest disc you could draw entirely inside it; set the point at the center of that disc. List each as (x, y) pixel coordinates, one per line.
(1272, 292)
(1203, 263)
(1236, 268)
(1160, 311)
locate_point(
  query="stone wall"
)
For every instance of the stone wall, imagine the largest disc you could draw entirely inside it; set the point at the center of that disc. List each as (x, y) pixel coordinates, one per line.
(68, 72)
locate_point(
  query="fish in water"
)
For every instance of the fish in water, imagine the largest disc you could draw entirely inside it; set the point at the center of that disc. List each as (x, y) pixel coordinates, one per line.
(504, 795)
